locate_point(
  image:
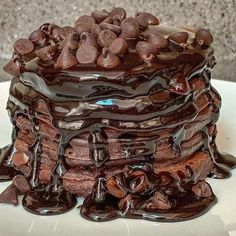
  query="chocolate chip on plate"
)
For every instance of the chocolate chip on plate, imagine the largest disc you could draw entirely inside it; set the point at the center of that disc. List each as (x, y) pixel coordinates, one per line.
(66, 59)
(161, 201)
(138, 181)
(106, 37)
(46, 53)
(87, 54)
(10, 195)
(23, 46)
(108, 59)
(21, 183)
(99, 16)
(179, 37)
(118, 46)
(202, 189)
(146, 50)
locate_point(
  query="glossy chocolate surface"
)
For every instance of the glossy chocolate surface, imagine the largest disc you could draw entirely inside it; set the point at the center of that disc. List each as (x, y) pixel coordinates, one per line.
(91, 99)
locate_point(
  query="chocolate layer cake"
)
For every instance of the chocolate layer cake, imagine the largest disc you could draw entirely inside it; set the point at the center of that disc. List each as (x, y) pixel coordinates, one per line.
(118, 110)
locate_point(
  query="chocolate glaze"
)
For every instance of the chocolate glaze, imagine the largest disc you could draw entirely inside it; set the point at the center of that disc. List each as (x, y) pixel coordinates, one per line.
(91, 99)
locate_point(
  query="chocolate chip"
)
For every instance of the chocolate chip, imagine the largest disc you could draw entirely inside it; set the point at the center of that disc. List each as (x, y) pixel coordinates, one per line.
(84, 24)
(19, 158)
(66, 59)
(54, 32)
(203, 37)
(65, 31)
(21, 183)
(114, 28)
(71, 41)
(87, 54)
(116, 186)
(85, 20)
(96, 29)
(88, 38)
(37, 37)
(46, 53)
(99, 16)
(157, 39)
(9, 195)
(179, 37)
(165, 179)
(13, 67)
(80, 28)
(45, 28)
(202, 189)
(118, 46)
(106, 37)
(118, 12)
(116, 20)
(130, 20)
(129, 30)
(23, 46)
(144, 19)
(108, 60)
(161, 201)
(126, 203)
(108, 20)
(146, 50)
(138, 182)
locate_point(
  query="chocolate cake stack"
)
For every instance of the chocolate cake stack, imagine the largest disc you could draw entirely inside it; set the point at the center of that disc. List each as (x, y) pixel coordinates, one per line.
(118, 110)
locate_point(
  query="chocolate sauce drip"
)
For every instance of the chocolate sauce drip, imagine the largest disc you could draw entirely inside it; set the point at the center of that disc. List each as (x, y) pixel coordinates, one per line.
(48, 199)
(98, 147)
(7, 171)
(189, 207)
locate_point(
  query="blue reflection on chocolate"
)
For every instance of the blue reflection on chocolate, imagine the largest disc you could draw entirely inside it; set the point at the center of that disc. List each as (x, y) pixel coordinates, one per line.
(106, 102)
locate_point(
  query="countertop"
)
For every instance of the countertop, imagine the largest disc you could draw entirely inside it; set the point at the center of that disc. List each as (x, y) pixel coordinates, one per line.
(20, 18)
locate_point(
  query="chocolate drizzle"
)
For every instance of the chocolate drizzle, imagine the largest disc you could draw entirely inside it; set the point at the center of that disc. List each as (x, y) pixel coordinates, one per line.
(137, 104)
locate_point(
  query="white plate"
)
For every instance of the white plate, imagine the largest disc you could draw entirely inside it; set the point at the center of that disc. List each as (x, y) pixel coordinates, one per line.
(219, 221)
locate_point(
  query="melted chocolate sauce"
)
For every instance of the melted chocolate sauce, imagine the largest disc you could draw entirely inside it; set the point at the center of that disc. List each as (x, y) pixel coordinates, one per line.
(91, 100)
(188, 207)
(7, 171)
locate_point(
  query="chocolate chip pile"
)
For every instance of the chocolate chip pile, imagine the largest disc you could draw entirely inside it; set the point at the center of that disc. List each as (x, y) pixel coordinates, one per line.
(103, 38)
(126, 187)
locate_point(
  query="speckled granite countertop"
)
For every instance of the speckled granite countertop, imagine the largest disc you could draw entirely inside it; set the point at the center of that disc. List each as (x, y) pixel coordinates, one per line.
(19, 18)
